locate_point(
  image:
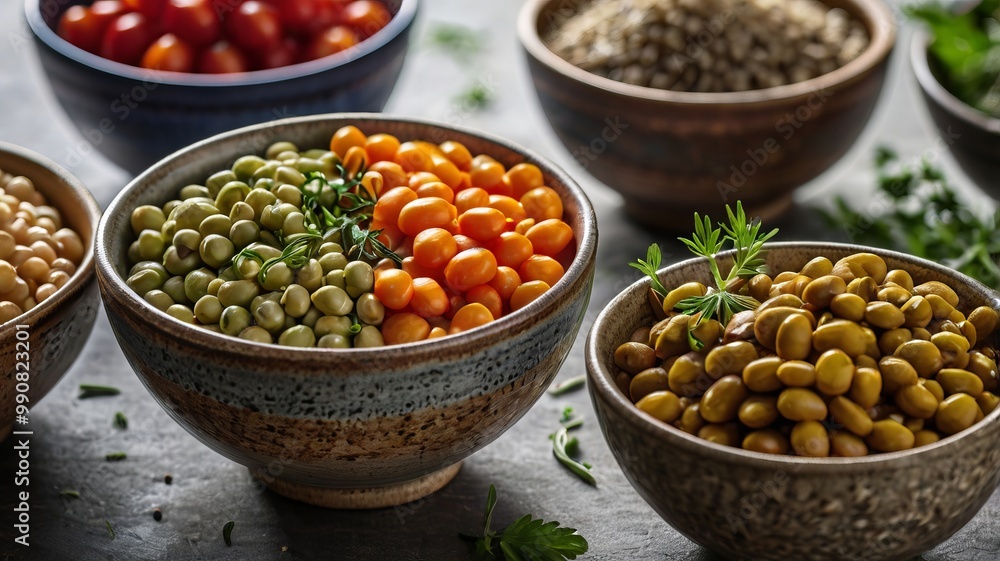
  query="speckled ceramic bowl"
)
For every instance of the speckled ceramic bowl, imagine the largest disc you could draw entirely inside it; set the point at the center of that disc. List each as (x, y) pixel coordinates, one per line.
(59, 326)
(351, 428)
(752, 506)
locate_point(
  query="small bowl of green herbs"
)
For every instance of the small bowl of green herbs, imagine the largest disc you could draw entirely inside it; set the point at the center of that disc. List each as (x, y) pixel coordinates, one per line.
(957, 63)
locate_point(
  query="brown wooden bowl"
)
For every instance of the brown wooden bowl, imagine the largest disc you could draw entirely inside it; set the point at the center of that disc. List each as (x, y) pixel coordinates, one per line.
(672, 153)
(53, 332)
(761, 507)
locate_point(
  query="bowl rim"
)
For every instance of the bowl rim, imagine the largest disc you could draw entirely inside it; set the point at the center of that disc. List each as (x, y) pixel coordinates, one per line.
(400, 21)
(882, 37)
(602, 386)
(431, 350)
(919, 46)
(85, 270)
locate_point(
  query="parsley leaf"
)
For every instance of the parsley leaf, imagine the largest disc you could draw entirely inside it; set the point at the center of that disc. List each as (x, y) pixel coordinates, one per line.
(527, 539)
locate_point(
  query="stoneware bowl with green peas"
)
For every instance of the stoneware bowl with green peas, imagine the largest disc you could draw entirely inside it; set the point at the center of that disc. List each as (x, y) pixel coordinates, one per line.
(341, 427)
(750, 505)
(41, 344)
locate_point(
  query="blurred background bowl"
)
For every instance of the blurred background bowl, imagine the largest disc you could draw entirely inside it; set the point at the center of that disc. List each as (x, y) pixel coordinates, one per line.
(753, 506)
(136, 116)
(59, 326)
(671, 153)
(344, 428)
(972, 136)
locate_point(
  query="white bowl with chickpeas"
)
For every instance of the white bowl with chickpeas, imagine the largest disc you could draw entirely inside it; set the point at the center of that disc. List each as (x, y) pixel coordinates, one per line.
(48, 297)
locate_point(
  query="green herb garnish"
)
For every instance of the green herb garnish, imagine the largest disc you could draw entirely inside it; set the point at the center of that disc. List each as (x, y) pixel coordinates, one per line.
(115, 456)
(91, 390)
(649, 268)
(748, 261)
(121, 421)
(459, 41)
(111, 531)
(966, 48)
(527, 539)
(227, 533)
(564, 448)
(569, 420)
(70, 494)
(569, 385)
(925, 218)
(476, 96)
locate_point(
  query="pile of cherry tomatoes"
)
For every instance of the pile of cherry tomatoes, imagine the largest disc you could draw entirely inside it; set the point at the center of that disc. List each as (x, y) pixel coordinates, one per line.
(220, 36)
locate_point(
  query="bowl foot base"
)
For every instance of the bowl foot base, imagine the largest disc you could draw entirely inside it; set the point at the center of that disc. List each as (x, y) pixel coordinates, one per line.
(679, 218)
(363, 499)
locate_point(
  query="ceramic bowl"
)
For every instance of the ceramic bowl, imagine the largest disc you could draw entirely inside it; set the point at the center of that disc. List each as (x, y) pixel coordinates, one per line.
(752, 506)
(671, 153)
(346, 428)
(53, 332)
(135, 116)
(972, 136)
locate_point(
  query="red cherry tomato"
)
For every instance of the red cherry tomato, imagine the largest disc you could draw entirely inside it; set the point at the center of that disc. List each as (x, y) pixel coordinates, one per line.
(366, 16)
(286, 53)
(255, 26)
(222, 58)
(127, 39)
(148, 8)
(333, 40)
(297, 16)
(169, 53)
(193, 21)
(79, 27)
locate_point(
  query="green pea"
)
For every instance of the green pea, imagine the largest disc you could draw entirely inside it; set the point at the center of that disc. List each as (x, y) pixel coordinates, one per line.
(288, 174)
(269, 315)
(269, 239)
(264, 173)
(336, 278)
(276, 296)
(218, 180)
(278, 277)
(177, 265)
(193, 191)
(336, 325)
(258, 200)
(370, 309)
(288, 157)
(228, 274)
(170, 206)
(266, 183)
(330, 247)
(151, 245)
(271, 217)
(152, 265)
(168, 229)
(310, 165)
(245, 166)
(360, 278)
(369, 336)
(185, 241)
(247, 269)
(279, 147)
(333, 301)
(289, 194)
(258, 334)
(329, 159)
(296, 301)
(241, 211)
(295, 223)
(216, 250)
(144, 281)
(232, 193)
(208, 309)
(297, 336)
(310, 276)
(331, 341)
(214, 285)
(133, 251)
(147, 217)
(174, 287)
(218, 224)
(234, 320)
(181, 312)
(331, 261)
(191, 212)
(314, 153)
(244, 233)
(266, 251)
(238, 293)
(159, 299)
(311, 317)
(196, 284)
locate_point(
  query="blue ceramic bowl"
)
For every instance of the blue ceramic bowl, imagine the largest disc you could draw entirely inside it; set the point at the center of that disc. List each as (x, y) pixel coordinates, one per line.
(136, 116)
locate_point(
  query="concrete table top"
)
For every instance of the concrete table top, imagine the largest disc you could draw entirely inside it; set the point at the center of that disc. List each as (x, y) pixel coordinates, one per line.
(72, 436)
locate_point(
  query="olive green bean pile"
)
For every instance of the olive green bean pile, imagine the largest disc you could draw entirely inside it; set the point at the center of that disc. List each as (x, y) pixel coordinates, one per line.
(226, 256)
(840, 359)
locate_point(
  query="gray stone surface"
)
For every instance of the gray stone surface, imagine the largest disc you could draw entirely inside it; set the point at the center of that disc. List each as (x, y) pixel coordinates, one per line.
(72, 436)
